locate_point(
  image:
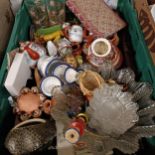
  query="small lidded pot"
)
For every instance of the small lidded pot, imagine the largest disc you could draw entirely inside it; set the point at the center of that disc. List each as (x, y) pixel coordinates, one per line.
(102, 50)
(74, 33)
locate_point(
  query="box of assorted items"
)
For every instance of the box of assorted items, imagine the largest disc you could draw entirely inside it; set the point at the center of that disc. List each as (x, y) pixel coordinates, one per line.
(6, 25)
(68, 83)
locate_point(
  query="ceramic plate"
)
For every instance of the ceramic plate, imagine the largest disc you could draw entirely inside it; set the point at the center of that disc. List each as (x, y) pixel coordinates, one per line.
(59, 71)
(51, 66)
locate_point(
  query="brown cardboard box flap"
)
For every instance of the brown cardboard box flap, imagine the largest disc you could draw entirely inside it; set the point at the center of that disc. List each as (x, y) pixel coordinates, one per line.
(147, 25)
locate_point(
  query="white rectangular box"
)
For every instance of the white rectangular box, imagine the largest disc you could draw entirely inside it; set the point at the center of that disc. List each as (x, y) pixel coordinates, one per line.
(18, 75)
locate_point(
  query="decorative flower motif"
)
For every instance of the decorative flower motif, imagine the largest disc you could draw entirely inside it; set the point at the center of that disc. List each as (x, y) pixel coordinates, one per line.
(31, 103)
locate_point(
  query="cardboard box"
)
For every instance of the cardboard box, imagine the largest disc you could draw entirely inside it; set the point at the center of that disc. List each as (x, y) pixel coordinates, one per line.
(6, 24)
(147, 24)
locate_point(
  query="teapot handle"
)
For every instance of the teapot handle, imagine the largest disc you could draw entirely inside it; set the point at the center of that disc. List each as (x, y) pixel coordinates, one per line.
(65, 31)
(87, 37)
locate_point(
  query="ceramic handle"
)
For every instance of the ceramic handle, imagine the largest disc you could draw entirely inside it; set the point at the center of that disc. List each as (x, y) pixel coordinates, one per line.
(65, 31)
(34, 55)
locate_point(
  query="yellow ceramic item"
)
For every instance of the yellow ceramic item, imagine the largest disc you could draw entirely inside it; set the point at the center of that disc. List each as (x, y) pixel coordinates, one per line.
(53, 36)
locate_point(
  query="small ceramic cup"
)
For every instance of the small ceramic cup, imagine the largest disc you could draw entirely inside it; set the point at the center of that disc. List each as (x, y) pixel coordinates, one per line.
(102, 50)
(98, 51)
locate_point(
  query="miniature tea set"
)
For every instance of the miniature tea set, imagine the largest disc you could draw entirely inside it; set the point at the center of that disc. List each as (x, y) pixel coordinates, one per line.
(77, 80)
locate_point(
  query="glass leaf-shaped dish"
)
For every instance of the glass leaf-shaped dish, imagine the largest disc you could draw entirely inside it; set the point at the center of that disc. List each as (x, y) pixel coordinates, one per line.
(112, 111)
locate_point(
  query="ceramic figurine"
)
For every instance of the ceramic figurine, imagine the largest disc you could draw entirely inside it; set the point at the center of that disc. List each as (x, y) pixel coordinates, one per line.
(53, 36)
(30, 103)
(32, 51)
(71, 60)
(64, 47)
(31, 136)
(79, 60)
